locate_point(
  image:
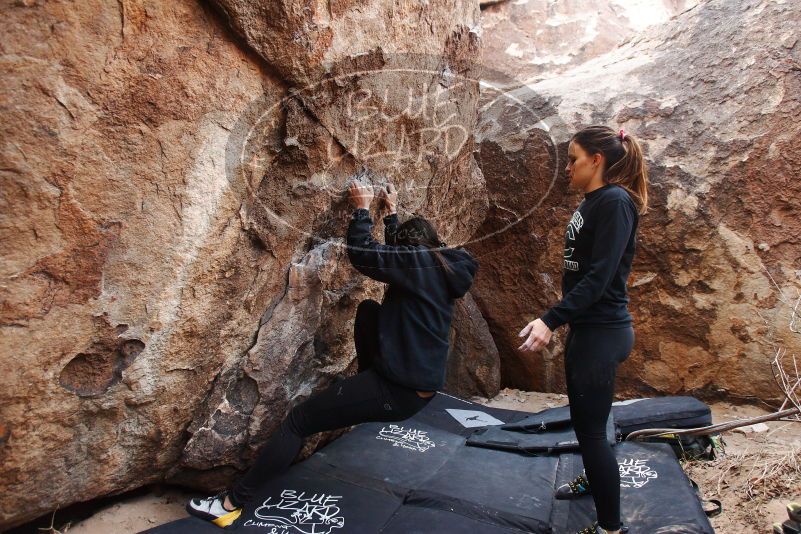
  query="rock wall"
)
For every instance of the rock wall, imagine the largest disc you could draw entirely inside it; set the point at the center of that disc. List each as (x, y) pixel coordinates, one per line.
(535, 40)
(172, 223)
(713, 96)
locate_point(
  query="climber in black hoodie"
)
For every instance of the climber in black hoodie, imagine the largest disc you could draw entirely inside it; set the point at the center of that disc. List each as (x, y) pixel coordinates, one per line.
(401, 344)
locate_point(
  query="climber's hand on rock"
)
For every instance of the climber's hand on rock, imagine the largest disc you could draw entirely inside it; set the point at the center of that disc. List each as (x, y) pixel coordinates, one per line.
(360, 196)
(389, 199)
(538, 336)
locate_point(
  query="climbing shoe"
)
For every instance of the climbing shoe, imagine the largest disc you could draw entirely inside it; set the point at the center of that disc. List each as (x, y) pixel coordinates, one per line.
(212, 509)
(791, 527)
(794, 511)
(578, 487)
(596, 529)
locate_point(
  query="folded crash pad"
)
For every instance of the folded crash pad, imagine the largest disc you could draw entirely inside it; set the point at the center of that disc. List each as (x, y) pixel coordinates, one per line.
(561, 439)
(544, 421)
(661, 412)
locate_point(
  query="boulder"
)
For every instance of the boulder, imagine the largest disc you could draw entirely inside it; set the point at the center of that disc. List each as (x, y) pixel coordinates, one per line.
(539, 39)
(173, 222)
(713, 96)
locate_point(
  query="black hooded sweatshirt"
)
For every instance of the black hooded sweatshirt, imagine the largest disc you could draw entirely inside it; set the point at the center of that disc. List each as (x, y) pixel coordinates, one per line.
(415, 317)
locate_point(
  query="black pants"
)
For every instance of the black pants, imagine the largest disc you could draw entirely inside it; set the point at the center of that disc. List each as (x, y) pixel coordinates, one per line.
(591, 359)
(366, 397)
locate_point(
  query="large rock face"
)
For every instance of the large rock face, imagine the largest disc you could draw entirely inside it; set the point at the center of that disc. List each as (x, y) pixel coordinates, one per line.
(122, 241)
(173, 271)
(714, 97)
(539, 39)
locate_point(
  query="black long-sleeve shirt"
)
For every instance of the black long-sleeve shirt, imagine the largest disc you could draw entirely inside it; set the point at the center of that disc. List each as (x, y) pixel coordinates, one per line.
(415, 318)
(599, 248)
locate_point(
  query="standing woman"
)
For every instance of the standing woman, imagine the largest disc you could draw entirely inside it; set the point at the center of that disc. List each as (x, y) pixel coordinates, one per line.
(599, 247)
(401, 344)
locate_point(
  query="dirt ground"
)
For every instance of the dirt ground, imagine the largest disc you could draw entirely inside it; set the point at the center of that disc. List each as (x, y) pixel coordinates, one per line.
(759, 474)
(129, 515)
(756, 478)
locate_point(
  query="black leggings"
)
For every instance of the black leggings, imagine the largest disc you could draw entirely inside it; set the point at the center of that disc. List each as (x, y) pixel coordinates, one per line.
(366, 397)
(591, 359)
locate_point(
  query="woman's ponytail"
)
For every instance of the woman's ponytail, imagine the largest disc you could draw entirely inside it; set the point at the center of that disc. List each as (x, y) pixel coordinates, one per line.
(625, 162)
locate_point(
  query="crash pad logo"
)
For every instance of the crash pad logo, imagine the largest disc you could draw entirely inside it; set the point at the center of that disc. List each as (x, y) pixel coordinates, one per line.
(635, 473)
(408, 438)
(299, 513)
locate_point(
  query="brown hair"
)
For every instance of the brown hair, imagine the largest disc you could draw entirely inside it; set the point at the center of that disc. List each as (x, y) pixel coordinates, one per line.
(418, 231)
(625, 163)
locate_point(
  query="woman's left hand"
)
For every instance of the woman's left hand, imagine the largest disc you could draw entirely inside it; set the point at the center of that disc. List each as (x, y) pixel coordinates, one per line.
(360, 196)
(389, 199)
(539, 335)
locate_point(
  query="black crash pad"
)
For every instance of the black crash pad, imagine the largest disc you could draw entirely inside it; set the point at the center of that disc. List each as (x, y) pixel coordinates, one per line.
(562, 439)
(655, 495)
(661, 412)
(629, 415)
(303, 501)
(418, 476)
(546, 420)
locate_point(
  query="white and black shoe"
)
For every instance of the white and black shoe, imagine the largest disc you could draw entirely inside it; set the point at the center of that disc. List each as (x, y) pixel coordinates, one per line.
(212, 509)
